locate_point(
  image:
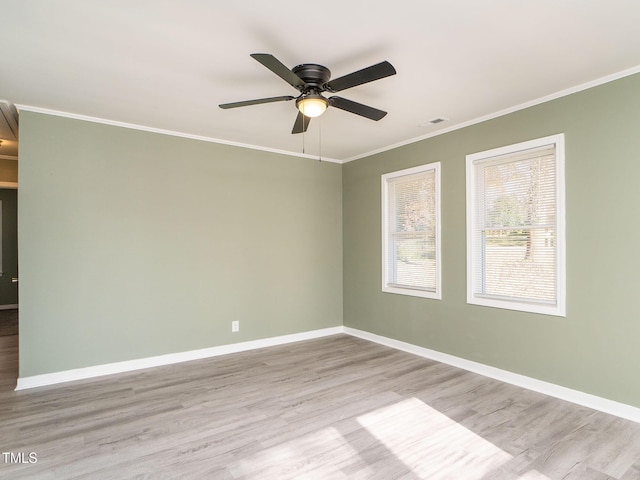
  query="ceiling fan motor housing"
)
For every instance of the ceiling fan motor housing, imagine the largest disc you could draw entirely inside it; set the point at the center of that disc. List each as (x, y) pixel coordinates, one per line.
(315, 76)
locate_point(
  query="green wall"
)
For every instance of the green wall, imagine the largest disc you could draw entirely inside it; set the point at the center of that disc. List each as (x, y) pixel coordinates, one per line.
(594, 349)
(134, 244)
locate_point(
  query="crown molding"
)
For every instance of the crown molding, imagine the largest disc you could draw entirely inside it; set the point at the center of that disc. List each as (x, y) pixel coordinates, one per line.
(458, 126)
(133, 126)
(506, 111)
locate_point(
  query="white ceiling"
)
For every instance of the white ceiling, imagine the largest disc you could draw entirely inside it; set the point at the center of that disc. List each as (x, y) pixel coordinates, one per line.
(168, 64)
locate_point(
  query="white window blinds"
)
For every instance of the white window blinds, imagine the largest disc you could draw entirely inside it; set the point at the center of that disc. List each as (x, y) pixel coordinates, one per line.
(516, 238)
(411, 232)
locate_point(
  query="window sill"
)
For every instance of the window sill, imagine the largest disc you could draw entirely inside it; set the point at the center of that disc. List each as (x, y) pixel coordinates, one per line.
(412, 292)
(522, 306)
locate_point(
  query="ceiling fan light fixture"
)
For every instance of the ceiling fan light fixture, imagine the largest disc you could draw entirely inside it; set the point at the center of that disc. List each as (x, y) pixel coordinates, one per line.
(312, 105)
(312, 80)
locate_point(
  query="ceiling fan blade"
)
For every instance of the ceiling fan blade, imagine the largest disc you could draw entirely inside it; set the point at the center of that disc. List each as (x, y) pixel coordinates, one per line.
(366, 75)
(301, 124)
(280, 69)
(357, 108)
(256, 102)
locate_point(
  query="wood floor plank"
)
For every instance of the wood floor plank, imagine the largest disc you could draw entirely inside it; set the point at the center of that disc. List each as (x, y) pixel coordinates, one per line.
(332, 408)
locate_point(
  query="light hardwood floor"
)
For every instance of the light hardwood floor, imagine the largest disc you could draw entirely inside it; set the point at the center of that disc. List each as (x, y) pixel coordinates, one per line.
(333, 408)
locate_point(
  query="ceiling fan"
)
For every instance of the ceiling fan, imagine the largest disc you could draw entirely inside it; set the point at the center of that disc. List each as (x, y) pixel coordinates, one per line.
(312, 80)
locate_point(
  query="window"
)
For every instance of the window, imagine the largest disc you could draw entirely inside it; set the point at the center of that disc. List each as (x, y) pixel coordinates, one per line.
(411, 231)
(515, 227)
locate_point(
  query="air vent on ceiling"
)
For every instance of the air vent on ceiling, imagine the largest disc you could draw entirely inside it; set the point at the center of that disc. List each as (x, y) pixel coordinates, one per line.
(433, 121)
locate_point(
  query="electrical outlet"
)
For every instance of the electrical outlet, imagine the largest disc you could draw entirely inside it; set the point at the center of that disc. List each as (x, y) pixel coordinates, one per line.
(235, 326)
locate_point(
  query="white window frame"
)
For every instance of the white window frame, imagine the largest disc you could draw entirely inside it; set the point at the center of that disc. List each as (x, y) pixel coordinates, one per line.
(387, 286)
(472, 162)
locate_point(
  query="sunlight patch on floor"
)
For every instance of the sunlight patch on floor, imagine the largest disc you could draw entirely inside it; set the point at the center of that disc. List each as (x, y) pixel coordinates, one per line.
(407, 439)
(533, 475)
(432, 445)
(319, 455)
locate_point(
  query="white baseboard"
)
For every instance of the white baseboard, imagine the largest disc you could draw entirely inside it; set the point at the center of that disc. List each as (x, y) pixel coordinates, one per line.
(137, 364)
(574, 396)
(11, 306)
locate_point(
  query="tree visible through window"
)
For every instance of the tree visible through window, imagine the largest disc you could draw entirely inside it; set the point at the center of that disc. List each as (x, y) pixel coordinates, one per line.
(516, 227)
(411, 231)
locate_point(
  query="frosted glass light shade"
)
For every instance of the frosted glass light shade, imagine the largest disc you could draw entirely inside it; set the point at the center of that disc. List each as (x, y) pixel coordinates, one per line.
(312, 106)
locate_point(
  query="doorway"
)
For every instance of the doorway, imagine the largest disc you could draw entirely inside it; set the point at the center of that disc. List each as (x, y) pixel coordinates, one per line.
(8, 261)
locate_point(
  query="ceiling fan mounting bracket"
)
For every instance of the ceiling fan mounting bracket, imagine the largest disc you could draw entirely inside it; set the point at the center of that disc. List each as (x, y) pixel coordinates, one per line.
(314, 76)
